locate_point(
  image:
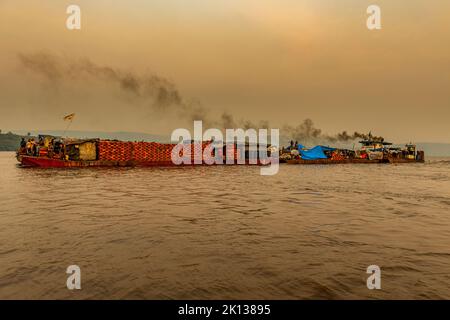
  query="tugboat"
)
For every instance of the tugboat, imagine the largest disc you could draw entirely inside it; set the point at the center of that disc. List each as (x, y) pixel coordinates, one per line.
(408, 154)
(374, 150)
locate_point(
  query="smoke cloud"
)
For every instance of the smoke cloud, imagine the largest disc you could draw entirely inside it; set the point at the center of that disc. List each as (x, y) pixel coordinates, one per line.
(306, 132)
(161, 95)
(159, 92)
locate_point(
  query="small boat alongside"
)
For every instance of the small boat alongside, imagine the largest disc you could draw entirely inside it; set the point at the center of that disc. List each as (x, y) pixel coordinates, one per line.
(372, 151)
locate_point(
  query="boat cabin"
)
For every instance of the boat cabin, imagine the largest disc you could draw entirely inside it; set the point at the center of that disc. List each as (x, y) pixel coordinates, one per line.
(410, 151)
(85, 150)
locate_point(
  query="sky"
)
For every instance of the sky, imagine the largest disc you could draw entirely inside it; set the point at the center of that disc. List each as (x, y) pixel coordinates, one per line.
(280, 61)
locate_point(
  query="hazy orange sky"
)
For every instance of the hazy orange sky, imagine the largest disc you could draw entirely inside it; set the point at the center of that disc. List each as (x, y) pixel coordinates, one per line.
(278, 60)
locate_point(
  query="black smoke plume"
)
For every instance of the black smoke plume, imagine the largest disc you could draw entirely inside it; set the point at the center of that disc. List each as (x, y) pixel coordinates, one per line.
(160, 95)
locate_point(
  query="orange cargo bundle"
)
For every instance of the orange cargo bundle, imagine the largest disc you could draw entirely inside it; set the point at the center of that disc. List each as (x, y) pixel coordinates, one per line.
(152, 151)
(115, 150)
(337, 156)
(141, 151)
(43, 152)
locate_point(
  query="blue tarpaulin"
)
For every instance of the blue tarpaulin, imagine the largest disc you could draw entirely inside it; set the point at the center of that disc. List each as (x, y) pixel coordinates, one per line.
(315, 153)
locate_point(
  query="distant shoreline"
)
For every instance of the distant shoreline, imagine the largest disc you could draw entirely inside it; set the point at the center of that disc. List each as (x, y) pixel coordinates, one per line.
(11, 141)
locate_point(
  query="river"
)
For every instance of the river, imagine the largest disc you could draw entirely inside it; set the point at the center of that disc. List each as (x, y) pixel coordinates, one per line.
(226, 232)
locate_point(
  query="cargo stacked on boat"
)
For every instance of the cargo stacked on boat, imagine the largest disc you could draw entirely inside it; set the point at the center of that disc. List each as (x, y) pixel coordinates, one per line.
(141, 151)
(115, 150)
(197, 148)
(152, 151)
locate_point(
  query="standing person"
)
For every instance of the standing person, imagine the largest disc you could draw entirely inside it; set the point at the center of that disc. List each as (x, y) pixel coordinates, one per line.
(33, 147)
(29, 147)
(56, 147)
(39, 145)
(50, 148)
(64, 156)
(23, 146)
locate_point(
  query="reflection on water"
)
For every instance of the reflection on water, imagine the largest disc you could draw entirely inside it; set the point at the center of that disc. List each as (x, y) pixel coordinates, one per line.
(226, 232)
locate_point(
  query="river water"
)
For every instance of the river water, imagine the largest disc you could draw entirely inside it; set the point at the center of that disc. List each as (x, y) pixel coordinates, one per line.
(226, 232)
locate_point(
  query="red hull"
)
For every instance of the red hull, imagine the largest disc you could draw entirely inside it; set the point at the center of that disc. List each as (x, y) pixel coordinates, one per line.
(352, 161)
(27, 161)
(41, 162)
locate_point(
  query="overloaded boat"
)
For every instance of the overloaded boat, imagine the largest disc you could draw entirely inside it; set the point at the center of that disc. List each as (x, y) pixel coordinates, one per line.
(55, 152)
(373, 151)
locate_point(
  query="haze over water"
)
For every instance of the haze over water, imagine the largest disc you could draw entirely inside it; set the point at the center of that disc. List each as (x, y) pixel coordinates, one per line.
(226, 232)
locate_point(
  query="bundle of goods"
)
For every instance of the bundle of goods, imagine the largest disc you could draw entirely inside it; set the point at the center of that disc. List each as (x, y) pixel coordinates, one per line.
(115, 151)
(43, 152)
(197, 148)
(375, 155)
(152, 151)
(234, 153)
(142, 151)
(337, 156)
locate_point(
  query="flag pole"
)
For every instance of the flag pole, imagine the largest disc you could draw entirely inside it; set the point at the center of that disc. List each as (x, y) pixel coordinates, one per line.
(67, 127)
(70, 118)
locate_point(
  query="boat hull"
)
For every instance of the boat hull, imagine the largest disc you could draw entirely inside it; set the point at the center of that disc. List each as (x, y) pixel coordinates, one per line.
(396, 160)
(41, 162)
(28, 161)
(352, 161)
(329, 161)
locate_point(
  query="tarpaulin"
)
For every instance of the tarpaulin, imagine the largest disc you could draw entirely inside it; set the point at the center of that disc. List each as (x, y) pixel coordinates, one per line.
(315, 153)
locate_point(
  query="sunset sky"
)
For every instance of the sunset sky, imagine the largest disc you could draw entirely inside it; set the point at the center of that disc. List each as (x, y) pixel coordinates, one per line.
(278, 60)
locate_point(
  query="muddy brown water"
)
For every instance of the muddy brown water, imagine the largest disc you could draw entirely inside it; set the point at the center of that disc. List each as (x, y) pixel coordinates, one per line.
(226, 232)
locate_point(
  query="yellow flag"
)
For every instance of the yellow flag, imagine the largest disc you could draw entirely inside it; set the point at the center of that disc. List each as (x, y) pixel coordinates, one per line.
(69, 117)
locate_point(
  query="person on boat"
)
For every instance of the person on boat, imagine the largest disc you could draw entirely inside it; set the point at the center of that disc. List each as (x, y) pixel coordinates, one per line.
(50, 148)
(56, 147)
(64, 156)
(28, 147)
(31, 147)
(40, 144)
(23, 146)
(34, 148)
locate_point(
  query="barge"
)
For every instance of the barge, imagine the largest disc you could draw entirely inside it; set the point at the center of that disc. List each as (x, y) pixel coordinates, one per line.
(373, 151)
(43, 162)
(54, 152)
(352, 161)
